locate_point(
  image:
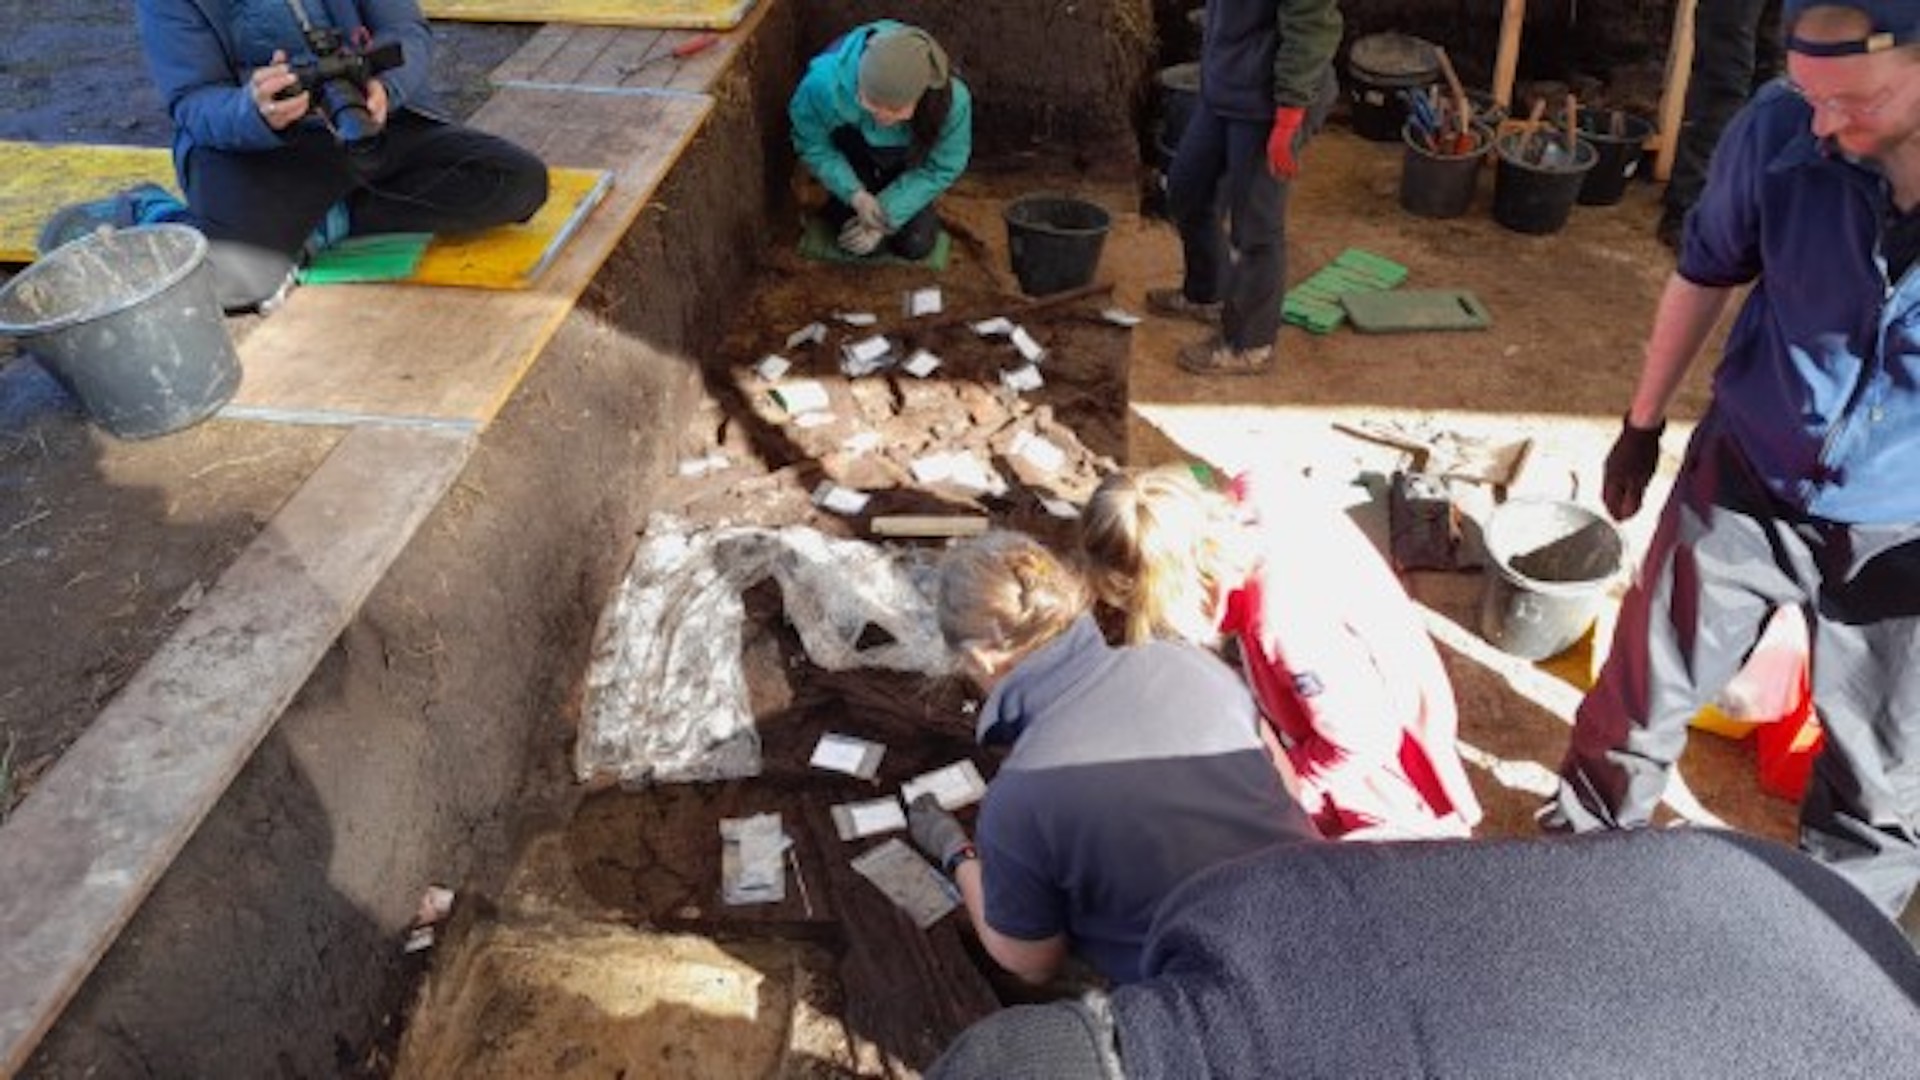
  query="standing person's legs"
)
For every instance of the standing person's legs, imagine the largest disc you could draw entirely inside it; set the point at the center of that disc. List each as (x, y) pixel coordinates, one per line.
(1194, 187)
(1256, 204)
(1715, 569)
(257, 210)
(1726, 35)
(431, 176)
(1861, 814)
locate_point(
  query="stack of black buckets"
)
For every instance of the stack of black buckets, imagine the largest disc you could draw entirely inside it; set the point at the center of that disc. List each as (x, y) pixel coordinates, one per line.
(1531, 195)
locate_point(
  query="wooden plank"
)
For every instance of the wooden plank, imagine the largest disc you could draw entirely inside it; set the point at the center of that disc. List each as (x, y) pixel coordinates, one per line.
(628, 52)
(1673, 99)
(526, 62)
(455, 355)
(82, 852)
(687, 14)
(582, 49)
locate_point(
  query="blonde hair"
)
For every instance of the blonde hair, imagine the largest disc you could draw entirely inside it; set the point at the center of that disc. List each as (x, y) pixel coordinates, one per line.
(1164, 549)
(1004, 591)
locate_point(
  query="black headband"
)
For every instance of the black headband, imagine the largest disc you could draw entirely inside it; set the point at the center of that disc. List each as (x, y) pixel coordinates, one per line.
(1872, 43)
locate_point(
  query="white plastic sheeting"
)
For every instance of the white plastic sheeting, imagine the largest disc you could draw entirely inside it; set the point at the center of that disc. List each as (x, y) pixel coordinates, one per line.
(666, 693)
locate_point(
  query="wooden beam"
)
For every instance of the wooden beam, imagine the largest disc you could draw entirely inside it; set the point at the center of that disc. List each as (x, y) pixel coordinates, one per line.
(1506, 61)
(86, 847)
(1673, 99)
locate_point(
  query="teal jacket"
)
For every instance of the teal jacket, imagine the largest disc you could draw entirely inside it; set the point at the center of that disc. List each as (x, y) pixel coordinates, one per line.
(828, 98)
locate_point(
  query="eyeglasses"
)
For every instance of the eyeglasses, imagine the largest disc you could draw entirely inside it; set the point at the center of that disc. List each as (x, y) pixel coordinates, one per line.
(1844, 106)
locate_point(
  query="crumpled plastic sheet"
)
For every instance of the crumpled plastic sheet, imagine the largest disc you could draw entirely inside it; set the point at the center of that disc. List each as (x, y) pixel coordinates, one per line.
(666, 693)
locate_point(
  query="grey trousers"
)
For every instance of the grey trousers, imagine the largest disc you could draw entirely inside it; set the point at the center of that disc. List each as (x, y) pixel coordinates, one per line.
(1725, 554)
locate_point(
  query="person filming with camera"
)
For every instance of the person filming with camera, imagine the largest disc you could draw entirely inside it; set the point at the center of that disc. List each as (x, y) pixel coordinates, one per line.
(298, 123)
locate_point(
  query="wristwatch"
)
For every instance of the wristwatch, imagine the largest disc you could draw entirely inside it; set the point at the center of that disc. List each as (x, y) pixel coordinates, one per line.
(960, 855)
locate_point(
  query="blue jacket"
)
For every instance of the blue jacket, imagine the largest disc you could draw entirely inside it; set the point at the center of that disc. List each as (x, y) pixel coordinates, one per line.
(202, 52)
(1820, 381)
(1132, 769)
(828, 98)
(1259, 54)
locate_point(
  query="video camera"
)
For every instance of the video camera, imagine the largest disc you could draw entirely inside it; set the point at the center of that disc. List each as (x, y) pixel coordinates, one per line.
(336, 81)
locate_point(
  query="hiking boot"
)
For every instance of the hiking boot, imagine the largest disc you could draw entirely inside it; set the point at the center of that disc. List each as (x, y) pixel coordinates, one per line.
(142, 204)
(1173, 302)
(1216, 357)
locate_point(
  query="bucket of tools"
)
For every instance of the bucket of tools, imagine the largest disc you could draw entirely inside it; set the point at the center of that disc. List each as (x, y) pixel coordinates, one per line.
(1540, 173)
(1440, 169)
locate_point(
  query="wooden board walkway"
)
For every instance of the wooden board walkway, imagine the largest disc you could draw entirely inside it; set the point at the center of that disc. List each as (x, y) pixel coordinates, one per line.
(81, 853)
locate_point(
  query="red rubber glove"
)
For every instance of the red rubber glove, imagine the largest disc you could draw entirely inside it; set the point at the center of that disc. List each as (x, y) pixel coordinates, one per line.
(1286, 124)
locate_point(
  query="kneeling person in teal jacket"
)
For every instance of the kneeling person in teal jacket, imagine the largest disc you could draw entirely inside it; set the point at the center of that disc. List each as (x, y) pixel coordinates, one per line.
(885, 126)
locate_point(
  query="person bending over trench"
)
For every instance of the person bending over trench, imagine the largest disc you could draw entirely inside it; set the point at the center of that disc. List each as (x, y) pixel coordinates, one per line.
(273, 170)
(1485, 959)
(1334, 650)
(1131, 769)
(884, 124)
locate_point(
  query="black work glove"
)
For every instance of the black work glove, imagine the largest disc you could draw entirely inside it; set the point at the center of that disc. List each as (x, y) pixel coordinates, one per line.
(935, 832)
(1629, 467)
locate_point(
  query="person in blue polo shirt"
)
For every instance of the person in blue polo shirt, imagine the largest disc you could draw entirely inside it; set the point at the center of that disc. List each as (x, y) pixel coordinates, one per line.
(1131, 769)
(884, 124)
(1795, 489)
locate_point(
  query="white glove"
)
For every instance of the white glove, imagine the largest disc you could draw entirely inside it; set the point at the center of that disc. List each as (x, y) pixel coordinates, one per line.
(866, 206)
(859, 238)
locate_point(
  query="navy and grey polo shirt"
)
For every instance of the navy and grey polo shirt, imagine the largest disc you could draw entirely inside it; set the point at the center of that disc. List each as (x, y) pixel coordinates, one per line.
(1131, 770)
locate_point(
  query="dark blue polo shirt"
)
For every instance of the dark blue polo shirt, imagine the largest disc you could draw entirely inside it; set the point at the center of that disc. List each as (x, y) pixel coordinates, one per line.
(1820, 382)
(1132, 769)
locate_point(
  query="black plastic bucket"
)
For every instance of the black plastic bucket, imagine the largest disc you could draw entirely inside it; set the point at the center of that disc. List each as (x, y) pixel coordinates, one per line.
(1437, 185)
(1548, 565)
(126, 320)
(1055, 241)
(1179, 92)
(1379, 66)
(1537, 197)
(1619, 155)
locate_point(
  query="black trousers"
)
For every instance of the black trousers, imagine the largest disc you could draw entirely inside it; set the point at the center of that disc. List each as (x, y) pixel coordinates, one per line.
(1232, 215)
(426, 175)
(878, 166)
(1725, 554)
(1726, 44)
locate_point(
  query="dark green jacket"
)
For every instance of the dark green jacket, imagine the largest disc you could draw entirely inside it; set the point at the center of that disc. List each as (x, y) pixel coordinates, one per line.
(1261, 54)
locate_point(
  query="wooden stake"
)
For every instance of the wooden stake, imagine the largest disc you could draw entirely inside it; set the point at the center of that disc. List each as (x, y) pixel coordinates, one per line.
(1673, 100)
(1507, 59)
(927, 526)
(1463, 109)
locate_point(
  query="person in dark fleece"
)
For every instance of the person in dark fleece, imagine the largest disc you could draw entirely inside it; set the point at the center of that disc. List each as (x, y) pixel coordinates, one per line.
(1266, 83)
(1679, 953)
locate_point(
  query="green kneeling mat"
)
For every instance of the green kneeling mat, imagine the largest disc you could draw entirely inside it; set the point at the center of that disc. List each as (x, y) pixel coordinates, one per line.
(819, 241)
(1314, 304)
(380, 257)
(1412, 310)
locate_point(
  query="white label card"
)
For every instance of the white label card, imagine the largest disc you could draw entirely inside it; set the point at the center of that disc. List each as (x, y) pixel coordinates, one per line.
(810, 334)
(1030, 350)
(925, 301)
(997, 326)
(847, 754)
(921, 364)
(1022, 379)
(952, 786)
